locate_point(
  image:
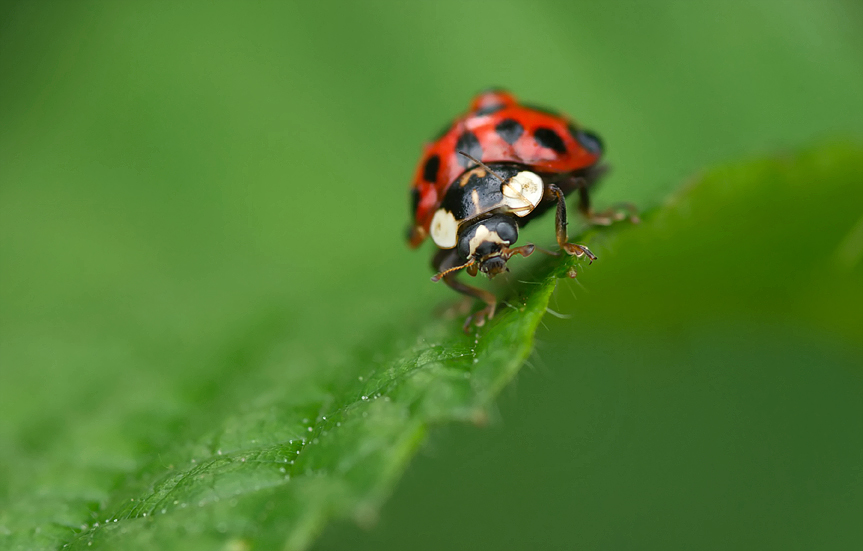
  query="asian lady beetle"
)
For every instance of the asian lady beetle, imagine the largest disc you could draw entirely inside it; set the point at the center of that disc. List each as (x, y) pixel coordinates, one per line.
(488, 174)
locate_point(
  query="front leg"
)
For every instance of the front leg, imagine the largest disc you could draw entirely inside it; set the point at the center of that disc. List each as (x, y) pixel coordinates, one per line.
(447, 259)
(560, 226)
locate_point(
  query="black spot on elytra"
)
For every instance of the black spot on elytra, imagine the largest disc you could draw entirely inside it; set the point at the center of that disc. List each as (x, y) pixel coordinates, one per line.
(468, 143)
(489, 109)
(546, 137)
(590, 142)
(415, 200)
(431, 168)
(509, 130)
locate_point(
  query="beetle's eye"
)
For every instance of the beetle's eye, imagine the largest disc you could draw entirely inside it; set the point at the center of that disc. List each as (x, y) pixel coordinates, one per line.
(507, 231)
(590, 142)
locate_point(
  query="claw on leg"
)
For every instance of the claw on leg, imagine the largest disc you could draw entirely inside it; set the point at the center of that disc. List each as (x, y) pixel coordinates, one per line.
(578, 251)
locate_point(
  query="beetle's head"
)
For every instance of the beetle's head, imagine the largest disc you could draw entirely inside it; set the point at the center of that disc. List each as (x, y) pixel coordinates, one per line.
(485, 246)
(485, 242)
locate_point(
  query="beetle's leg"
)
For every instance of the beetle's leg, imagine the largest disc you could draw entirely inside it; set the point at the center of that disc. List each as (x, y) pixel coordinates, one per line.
(548, 252)
(583, 182)
(618, 212)
(604, 218)
(560, 226)
(446, 259)
(479, 318)
(524, 250)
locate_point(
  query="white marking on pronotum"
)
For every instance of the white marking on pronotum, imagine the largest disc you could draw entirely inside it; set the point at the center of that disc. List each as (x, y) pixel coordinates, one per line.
(482, 235)
(444, 229)
(523, 192)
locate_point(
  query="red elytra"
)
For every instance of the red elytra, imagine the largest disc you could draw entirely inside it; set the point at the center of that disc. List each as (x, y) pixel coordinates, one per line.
(497, 129)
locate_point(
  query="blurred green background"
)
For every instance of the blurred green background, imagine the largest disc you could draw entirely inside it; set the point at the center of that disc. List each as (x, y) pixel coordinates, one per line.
(175, 175)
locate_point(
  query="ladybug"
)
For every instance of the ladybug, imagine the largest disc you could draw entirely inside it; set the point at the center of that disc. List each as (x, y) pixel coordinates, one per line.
(492, 171)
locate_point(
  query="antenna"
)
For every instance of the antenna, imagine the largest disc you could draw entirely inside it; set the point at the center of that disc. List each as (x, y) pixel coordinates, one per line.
(482, 164)
(437, 277)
